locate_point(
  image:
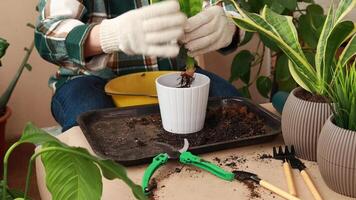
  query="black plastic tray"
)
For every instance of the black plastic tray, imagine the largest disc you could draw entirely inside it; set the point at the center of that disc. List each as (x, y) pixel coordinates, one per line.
(111, 136)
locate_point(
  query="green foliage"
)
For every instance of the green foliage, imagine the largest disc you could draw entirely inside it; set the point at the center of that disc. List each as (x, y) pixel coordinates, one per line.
(309, 23)
(10, 193)
(264, 85)
(71, 172)
(3, 46)
(5, 97)
(343, 95)
(241, 66)
(283, 33)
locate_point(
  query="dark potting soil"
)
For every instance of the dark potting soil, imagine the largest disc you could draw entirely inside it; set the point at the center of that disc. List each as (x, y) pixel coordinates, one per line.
(223, 124)
(307, 96)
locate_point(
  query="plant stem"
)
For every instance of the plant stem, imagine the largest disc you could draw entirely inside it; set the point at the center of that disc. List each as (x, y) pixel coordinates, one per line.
(4, 98)
(190, 63)
(6, 160)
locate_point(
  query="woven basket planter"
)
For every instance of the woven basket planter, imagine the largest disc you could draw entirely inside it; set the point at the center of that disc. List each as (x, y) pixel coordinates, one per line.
(302, 122)
(337, 158)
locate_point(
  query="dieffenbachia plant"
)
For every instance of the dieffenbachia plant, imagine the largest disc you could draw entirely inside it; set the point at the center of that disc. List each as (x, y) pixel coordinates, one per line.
(72, 173)
(281, 31)
(189, 8)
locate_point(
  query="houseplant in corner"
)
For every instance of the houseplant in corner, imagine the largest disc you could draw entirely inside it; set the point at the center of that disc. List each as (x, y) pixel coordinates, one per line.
(183, 97)
(306, 109)
(5, 111)
(337, 141)
(72, 173)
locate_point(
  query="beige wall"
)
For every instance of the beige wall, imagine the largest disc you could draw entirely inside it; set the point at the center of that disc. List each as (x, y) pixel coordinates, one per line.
(30, 101)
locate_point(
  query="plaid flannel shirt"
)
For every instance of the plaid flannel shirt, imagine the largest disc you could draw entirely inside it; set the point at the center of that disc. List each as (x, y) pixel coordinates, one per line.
(61, 31)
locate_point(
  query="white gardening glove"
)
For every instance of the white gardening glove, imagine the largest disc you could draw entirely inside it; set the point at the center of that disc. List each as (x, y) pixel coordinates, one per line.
(152, 31)
(208, 31)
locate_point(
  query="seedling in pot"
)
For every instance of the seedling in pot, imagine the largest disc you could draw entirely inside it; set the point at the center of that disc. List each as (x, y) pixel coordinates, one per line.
(189, 8)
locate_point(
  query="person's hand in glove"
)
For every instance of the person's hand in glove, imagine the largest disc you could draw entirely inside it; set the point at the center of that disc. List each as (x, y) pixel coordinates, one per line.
(208, 31)
(151, 30)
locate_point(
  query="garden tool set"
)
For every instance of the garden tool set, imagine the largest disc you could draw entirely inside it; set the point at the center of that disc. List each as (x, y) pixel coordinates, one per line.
(290, 161)
(185, 157)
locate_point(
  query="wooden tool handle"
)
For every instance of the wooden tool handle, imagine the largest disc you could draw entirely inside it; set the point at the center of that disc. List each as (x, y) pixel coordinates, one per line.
(277, 190)
(289, 177)
(310, 185)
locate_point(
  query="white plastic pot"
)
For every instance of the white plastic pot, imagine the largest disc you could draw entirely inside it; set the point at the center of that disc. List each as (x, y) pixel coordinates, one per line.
(182, 109)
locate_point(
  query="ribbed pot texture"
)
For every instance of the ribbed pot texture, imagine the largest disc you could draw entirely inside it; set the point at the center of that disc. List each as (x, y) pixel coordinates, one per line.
(301, 124)
(337, 158)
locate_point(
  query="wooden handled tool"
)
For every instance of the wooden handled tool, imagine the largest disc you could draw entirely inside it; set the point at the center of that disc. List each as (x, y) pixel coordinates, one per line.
(283, 155)
(242, 176)
(310, 185)
(277, 190)
(297, 164)
(289, 177)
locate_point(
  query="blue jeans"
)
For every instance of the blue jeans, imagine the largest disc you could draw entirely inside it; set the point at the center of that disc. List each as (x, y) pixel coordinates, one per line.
(87, 93)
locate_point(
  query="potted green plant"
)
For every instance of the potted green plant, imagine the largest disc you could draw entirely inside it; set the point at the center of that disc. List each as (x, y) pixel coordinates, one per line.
(337, 141)
(71, 172)
(306, 108)
(5, 111)
(308, 18)
(183, 97)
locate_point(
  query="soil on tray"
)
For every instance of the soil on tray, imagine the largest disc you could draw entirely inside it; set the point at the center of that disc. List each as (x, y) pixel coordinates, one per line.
(220, 125)
(307, 96)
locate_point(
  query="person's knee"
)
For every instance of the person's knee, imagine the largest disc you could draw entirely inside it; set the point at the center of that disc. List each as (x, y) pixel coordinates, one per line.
(78, 96)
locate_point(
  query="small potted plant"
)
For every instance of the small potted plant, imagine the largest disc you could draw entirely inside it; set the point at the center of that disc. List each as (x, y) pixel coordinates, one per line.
(337, 141)
(183, 97)
(307, 107)
(5, 111)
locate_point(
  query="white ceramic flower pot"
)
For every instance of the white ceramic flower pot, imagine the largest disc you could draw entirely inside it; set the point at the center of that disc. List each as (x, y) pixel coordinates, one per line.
(337, 158)
(182, 109)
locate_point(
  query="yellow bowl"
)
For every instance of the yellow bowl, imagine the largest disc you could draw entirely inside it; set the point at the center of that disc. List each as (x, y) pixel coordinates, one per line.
(134, 89)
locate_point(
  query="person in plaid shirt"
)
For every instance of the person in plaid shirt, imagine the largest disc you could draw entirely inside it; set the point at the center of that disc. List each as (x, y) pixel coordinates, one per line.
(94, 41)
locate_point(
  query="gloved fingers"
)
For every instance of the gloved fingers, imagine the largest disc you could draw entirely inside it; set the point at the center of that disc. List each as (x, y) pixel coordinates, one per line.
(160, 9)
(203, 31)
(164, 22)
(201, 51)
(166, 50)
(204, 42)
(164, 36)
(198, 20)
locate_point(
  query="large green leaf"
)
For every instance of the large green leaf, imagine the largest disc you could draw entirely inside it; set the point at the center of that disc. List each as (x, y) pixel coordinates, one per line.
(332, 20)
(70, 176)
(348, 52)
(112, 170)
(341, 32)
(282, 69)
(35, 135)
(289, 4)
(247, 37)
(241, 66)
(264, 85)
(284, 26)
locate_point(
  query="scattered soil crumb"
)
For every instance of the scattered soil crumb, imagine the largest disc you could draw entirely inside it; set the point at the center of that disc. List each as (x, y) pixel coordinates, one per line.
(177, 170)
(252, 189)
(233, 162)
(265, 156)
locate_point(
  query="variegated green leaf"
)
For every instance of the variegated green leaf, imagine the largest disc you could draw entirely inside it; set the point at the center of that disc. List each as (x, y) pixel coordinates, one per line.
(296, 77)
(341, 32)
(348, 52)
(345, 6)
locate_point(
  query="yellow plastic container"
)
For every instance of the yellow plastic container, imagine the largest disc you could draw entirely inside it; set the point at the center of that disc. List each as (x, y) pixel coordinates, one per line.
(134, 89)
